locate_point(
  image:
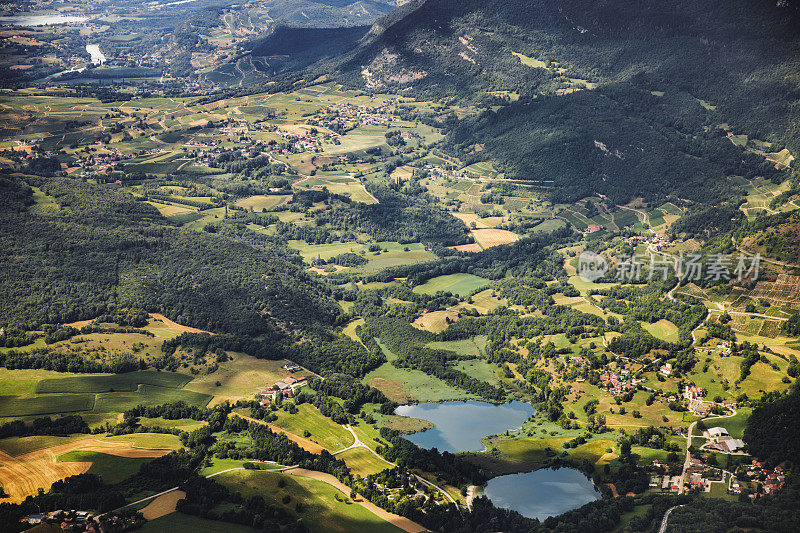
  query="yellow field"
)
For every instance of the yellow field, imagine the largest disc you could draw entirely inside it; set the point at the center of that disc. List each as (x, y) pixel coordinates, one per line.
(163, 505)
(494, 237)
(23, 475)
(436, 321)
(169, 210)
(471, 220)
(259, 202)
(474, 247)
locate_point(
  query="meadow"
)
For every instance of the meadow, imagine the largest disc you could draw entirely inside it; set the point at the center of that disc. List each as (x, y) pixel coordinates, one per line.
(459, 284)
(240, 378)
(362, 461)
(111, 468)
(405, 385)
(323, 430)
(183, 523)
(325, 507)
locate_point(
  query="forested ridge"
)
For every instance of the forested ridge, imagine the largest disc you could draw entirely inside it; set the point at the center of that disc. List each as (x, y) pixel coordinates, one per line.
(102, 250)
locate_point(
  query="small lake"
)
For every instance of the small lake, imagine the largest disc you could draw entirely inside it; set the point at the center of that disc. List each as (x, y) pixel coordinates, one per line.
(543, 493)
(31, 19)
(460, 426)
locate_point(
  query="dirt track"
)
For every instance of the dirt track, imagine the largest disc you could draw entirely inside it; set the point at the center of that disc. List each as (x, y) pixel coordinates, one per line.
(24, 474)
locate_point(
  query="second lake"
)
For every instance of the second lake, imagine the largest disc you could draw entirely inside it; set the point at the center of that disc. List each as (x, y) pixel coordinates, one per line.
(543, 493)
(460, 426)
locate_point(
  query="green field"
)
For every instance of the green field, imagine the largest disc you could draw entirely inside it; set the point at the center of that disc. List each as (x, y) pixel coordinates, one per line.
(118, 402)
(261, 202)
(363, 462)
(391, 253)
(150, 441)
(404, 385)
(113, 382)
(325, 506)
(323, 430)
(184, 424)
(663, 329)
(473, 346)
(460, 284)
(25, 381)
(111, 468)
(45, 404)
(479, 369)
(734, 424)
(183, 523)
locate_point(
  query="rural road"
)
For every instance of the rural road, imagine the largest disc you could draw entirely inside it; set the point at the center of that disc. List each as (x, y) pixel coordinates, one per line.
(742, 313)
(663, 527)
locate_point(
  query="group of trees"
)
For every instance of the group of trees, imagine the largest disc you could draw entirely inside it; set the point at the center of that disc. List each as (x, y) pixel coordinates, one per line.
(408, 343)
(64, 425)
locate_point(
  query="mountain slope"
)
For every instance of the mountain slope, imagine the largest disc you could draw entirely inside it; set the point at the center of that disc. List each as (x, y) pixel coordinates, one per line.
(618, 99)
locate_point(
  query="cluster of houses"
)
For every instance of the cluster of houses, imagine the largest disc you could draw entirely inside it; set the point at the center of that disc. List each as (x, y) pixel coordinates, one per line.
(592, 228)
(699, 476)
(69, 520)
(694, 397)
(618, 382)
(436, 171)
(700, 407)
(409, 487)
(309, 142)
(286, 388)
(723, 346)
(656, 241)
(355, 115)
(771, 482)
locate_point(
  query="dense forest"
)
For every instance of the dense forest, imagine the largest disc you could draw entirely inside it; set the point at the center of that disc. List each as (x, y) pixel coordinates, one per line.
(102, 250)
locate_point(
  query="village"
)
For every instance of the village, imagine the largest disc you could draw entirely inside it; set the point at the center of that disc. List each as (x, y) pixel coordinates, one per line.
(285, 388)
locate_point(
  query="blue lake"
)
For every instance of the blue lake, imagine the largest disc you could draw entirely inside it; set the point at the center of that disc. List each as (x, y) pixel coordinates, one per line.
(460, 426)
(543, 493)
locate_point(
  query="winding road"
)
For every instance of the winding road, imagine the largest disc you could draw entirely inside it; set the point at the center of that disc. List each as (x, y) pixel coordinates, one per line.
(663, 527)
